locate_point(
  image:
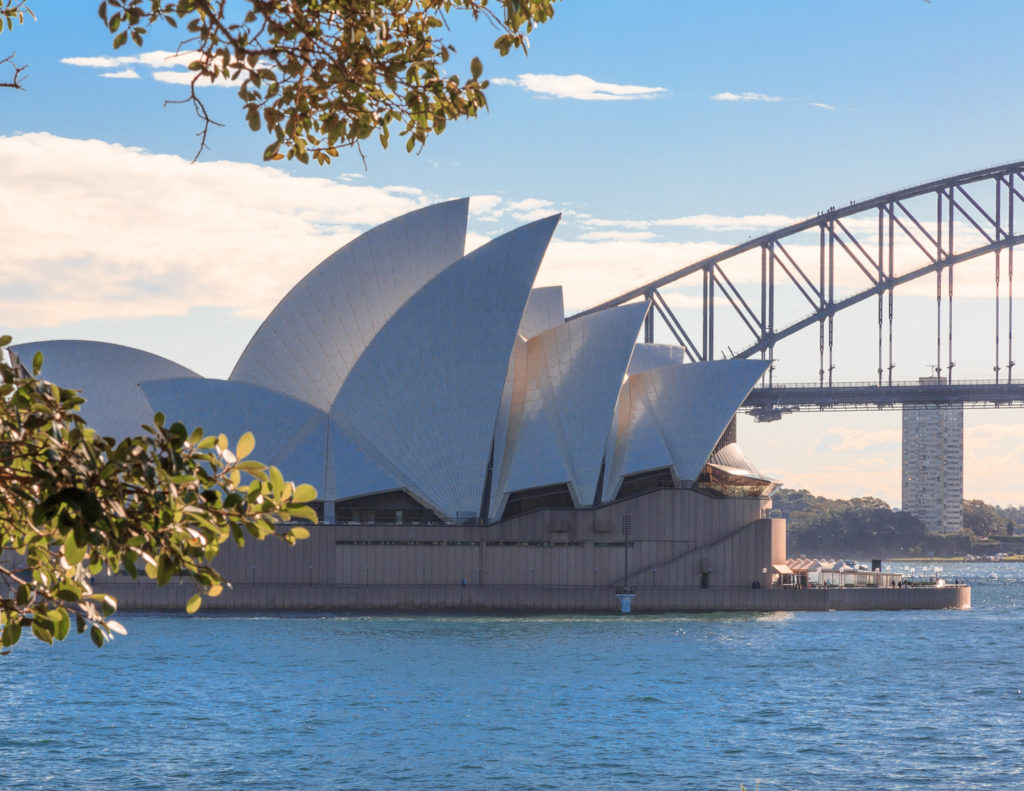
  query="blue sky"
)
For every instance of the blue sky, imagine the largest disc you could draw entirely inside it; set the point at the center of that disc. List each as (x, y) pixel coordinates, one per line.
(678, 129)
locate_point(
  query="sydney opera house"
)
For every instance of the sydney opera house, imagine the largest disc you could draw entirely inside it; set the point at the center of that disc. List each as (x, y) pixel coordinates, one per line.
(473, 448)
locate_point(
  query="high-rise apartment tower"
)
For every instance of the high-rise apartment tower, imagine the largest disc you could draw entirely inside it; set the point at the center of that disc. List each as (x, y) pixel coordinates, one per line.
(933, 464)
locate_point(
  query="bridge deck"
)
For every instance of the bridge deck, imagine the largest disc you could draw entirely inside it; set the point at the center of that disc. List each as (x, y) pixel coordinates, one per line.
(770, 403)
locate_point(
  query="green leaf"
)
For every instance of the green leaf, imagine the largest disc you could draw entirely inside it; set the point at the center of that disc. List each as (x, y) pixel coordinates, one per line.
(72, 551)
(476, 68)
(304, 493)
(23, 595)
(193, 603)
(245, 445)
(304, 512)
(299, 533)
(69, 591)
(97, 636)
(62, 626)
(164, 570)
(10, 635)
(43, 628)
(276, 482)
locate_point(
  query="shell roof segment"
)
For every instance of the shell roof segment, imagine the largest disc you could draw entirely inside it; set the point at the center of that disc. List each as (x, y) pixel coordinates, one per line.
(300, 440)
(290, 434)
(108, 375)
(654, 355)
(692, 405)
(544, 309)
(635, 443)
(508, 426)
(671, 414)
(310, 342)
(423, 396)
(577, 369)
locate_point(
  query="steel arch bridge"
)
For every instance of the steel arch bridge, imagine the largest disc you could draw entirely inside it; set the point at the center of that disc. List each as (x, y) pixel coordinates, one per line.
(848, 255)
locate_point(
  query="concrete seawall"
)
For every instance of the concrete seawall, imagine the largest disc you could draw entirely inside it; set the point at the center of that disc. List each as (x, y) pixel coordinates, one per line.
(145, 595)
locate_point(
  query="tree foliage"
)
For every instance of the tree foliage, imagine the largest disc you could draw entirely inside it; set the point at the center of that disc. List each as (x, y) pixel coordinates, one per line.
(320, 75)
(867, 526)
(982, 519)
(74, 504)
(821, 527)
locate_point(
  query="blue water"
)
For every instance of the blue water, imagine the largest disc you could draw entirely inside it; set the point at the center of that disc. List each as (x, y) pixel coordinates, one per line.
(873, 700)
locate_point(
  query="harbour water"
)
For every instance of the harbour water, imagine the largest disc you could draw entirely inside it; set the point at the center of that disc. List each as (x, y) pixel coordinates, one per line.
(843, 700)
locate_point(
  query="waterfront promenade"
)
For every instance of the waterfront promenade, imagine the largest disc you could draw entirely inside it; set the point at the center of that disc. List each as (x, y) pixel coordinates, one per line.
(146, 595)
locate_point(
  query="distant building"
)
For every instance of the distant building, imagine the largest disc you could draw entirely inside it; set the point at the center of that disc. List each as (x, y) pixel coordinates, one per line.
(933, 464)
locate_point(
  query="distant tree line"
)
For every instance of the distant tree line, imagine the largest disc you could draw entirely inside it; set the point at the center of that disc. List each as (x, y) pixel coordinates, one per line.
(868, 526)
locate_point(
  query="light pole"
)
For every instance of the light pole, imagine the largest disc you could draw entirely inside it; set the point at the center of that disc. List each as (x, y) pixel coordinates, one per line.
(627, 529)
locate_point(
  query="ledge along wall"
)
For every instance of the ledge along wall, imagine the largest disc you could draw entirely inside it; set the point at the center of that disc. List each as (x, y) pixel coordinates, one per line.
(553, 560)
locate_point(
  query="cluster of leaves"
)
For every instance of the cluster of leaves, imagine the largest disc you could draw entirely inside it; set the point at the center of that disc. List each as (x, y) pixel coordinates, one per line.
(325, 74)
(74, 504)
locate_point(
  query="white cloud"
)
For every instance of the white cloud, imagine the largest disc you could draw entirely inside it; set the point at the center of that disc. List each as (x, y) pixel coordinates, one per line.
(157, 58)
(747, 96)
(124, 74)
(592, 272)
(579, 86)
(616, 236)
(160, 58)
(97, 230)
(167, 67)
(186, 77)
(842, 440)
(104, 62)
(485, 207)
(874, 477)
(530, 209)
(707, 222)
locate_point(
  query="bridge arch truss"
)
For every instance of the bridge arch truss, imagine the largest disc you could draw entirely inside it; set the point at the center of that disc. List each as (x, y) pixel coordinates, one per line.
(848, 255)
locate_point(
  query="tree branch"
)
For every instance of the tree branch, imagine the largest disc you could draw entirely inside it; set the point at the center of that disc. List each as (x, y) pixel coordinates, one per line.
(18, 75)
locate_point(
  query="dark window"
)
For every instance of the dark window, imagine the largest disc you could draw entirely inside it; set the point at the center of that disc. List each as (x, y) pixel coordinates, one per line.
(642, 482)
(527, 500)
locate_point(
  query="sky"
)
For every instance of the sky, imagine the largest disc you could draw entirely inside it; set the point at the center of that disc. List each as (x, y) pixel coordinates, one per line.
(661, 130)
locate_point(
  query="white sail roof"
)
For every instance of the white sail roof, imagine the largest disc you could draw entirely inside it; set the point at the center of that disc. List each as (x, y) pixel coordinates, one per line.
(108, 376)
(654, 355)
(290, 434)
(581, 365)
(310, 342)
(544, 309)
(423, 396)
(692, 405)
